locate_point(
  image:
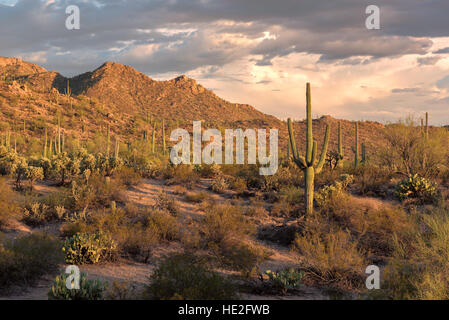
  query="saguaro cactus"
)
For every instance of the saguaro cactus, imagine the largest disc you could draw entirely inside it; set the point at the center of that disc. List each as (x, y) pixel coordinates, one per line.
(108, 140)
(355, 149)
(59, 135)
(363, 153)
(45, 145)
(163, 136)
(427, 126)
(340, 147)
(117, 146)
(154, 137)
(309, 164)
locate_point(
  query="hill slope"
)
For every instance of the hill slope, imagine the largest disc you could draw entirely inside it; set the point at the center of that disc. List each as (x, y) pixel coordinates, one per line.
(125, 99)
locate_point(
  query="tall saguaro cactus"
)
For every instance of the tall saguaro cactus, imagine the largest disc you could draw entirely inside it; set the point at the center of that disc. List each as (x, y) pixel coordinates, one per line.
(45, 145)
(363, 153)
(355, 149)
(309, 164)
(108, 141)
(154, 138)
(163, 136)
(340, 147)
(427, 126)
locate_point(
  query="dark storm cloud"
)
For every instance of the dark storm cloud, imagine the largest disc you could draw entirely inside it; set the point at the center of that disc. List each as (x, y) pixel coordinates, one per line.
(110, 30)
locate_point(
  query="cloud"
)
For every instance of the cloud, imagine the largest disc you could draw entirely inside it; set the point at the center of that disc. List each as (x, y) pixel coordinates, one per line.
(404, 90)
(428, 61)
(442, 51)
(249, 49)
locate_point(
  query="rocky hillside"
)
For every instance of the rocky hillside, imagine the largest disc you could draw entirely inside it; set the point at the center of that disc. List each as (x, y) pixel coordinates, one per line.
(125, 99)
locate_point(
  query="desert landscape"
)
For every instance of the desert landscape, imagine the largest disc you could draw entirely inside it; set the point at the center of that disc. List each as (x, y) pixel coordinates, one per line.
(86, 180)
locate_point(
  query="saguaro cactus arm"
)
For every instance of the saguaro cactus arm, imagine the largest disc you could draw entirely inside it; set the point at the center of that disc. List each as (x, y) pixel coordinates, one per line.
(300, 161)
(320, 165)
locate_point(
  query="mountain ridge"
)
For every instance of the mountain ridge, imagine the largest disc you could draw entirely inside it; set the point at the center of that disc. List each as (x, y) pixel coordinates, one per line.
(129, 102)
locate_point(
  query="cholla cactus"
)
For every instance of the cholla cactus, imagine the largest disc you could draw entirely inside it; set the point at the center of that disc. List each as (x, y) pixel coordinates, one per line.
(34, 173)
(60, 164)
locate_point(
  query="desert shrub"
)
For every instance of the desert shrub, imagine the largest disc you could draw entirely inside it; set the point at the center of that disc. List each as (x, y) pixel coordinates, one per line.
(181, 174)
(224, 222)
(373, 180)
(292, 194)
(97, 193)
(336, 189)
(282, 209)
(333, 257)
(36, 214)
(285, 280)
(25, 260)
(8, 207)
(85, 248)
(239, 256)
(89, 289)
(163, 224)
(256, 211)
(139, 241)
(419, 268)
(219, 184)
(184, 277)
(409, 151)
(238, 185)
(179, 190)
(167, 203)
(208, 170)
(373, 227)
(196, 197)
(122, 290)
(416, 187)
(281, 178)
(127, 176)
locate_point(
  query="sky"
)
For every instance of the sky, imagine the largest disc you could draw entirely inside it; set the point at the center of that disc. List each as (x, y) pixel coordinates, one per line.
(259, 52)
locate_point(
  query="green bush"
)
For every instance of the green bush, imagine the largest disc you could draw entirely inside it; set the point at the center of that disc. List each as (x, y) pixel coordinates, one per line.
(285, 280)
(28, 258)
(416, 187)
(184, 277)
(89, 289)
(85, 248)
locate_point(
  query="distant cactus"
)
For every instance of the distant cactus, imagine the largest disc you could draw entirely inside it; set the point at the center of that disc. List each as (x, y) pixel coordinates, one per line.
(363, 153)
(163, 136)
(309, 164)
(68, 93)
(117, 147)
(154, 138)
(58, 147)
(45, 144)
(108, 141)
(427, 126)
(355, 149)
(340, 154)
